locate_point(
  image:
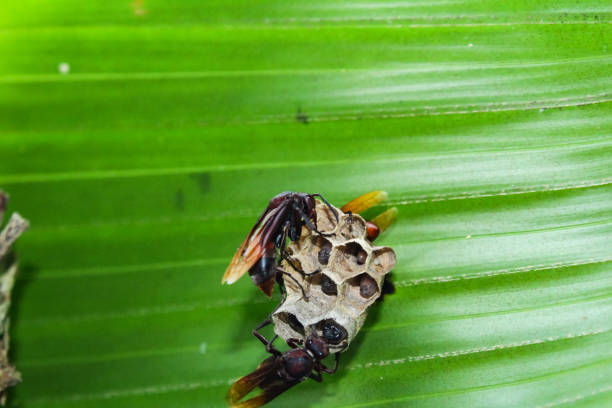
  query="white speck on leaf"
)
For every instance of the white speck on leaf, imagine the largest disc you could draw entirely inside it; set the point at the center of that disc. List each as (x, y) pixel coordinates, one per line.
(470, 45)
(63, 68)
(203, 348)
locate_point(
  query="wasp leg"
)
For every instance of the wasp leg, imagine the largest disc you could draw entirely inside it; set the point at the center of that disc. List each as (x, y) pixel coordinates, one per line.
(308, 223)
(317, 377)
(335, 367)
(295, 343)
(296, 282)
(260, 326)
(295, 268)
(270, 347)
(350, 214)
(332, 209)
(284, 255)
(268, 321)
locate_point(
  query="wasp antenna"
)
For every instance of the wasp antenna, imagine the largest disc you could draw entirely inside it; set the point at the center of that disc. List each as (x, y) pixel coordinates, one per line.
(362, 203)
(384, 220)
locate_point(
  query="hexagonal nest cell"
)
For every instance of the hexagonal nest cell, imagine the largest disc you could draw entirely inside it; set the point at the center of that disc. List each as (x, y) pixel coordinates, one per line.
(292, 322)
(331, 330)
(383, 260)
(350, 258)
(353, 227)
(361, 291)
(350, 278)
(326, 220)
(311, 254)
(324, 284)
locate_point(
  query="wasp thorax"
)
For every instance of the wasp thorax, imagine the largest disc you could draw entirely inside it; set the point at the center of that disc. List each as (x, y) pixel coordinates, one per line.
(318, 346)
(346, 273)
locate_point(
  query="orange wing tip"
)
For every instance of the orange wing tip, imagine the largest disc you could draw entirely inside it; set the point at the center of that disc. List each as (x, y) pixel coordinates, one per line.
(237, 391)
(231, 275)
(231, 397)
(385, 219)
(368, 200)
(228, 280)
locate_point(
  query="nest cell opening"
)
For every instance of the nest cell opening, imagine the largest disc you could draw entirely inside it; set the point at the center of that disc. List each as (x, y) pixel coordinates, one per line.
(293, 285)
(361, 291)
(292, 321)
(325, 284)
(383, 260)
(367, 286)
(332, 331)
(352, 227)
(326, 220)
(322, 248)
(313, 254)
(351, 258)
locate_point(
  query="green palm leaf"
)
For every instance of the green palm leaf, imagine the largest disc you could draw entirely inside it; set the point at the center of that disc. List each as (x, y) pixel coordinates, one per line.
(143, 167)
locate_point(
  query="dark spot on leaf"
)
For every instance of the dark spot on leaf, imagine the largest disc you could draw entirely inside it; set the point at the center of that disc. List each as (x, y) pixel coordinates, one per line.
(301, 117)
(179, 200)
(203, 181)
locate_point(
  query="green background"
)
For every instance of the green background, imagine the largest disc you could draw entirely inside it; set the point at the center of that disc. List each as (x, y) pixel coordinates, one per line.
(141, 170)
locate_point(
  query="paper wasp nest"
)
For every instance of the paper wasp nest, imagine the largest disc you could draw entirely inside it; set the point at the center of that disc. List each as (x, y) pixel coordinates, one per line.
(350, 280)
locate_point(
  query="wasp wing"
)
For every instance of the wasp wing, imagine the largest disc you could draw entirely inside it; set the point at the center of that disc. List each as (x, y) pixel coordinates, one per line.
(385, 219)
(254, 244)
(269, 392)
(249, 252)
(362, 203)
(247, 383)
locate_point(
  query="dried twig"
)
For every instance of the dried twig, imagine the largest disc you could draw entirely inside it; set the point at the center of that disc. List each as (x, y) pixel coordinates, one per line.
(16, 225)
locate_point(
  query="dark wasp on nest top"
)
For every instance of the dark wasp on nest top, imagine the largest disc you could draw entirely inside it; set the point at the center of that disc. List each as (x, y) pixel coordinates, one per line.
(283, 218)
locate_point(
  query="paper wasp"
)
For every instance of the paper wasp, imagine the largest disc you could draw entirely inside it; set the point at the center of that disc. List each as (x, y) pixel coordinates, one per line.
(283, 370)
(283, 218)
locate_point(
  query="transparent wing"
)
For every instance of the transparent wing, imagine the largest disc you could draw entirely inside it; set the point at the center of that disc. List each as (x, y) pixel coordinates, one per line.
(362, 203)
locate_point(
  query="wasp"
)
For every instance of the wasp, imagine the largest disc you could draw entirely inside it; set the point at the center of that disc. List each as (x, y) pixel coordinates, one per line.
(283, 370)
(283, 218)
